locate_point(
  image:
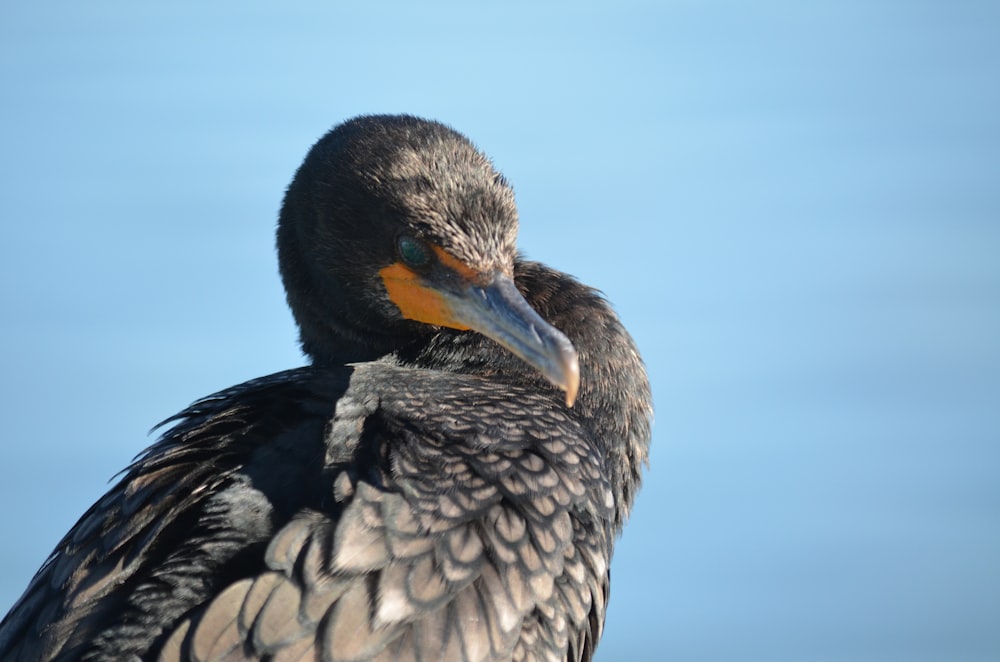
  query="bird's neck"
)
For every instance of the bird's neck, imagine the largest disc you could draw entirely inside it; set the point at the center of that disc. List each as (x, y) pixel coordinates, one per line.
(614, 401)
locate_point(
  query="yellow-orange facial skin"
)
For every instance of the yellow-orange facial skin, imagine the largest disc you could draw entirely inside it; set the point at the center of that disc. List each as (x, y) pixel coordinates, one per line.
(451, 294)
(419, 302)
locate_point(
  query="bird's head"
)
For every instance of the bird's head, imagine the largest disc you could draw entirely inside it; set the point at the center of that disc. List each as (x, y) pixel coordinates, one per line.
(394, 227)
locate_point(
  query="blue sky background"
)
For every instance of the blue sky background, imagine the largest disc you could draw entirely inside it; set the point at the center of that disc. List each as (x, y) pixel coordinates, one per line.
(795, 208)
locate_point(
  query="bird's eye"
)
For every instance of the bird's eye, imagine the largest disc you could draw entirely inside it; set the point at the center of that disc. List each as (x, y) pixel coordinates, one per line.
(413, 252)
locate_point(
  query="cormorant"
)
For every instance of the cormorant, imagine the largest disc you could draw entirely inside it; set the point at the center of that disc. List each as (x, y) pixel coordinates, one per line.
(444, 481)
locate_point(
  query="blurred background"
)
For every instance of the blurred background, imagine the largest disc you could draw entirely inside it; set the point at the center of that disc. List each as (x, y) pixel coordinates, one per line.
(795, 208)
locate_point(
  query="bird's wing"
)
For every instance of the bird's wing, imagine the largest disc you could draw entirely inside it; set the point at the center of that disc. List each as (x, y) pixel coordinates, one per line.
(477, 528)
(429, 517)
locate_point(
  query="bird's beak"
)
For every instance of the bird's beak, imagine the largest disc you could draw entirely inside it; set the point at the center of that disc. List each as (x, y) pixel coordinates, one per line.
(453, 295)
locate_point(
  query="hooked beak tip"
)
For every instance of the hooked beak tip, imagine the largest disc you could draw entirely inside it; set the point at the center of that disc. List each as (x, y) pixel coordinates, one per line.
(572, 380)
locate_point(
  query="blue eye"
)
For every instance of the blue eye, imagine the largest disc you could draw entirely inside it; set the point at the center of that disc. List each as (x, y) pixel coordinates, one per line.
(413, 252)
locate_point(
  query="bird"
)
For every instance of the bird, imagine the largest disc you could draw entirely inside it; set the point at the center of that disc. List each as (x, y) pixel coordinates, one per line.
(445, 479)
